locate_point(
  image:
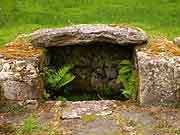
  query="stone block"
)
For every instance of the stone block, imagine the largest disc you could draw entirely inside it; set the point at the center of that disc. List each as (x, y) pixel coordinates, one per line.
(158, 78)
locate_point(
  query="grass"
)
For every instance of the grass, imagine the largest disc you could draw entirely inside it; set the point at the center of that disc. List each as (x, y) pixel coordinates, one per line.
(31, 125)
(155, 16)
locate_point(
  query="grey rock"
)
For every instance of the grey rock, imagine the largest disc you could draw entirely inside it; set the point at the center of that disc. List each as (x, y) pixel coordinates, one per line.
(110, 73)
(158, 78)
(15, 90)
(20, 63)
(145, 118)
(6, 67)
(75, 110)
(20, 79)
(6, 76)
(97, 127)
(128, 128)
(31, 104)
(87, 33)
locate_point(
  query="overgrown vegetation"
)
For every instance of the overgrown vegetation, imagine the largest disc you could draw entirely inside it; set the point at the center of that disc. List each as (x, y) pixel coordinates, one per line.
(60, 78)
(18, 16)
(127, 77)
(57, 80)
(58, 83)
(31, 125)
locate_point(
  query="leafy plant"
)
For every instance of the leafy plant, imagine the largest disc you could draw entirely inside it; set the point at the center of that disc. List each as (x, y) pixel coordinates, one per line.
(31, 125)
(127, 77)
(60, 78)
(61, 98)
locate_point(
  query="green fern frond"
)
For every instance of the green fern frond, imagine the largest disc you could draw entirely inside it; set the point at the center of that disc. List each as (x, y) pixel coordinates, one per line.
(125, 62)
(60, 78)
(127, 77)
(67, 78)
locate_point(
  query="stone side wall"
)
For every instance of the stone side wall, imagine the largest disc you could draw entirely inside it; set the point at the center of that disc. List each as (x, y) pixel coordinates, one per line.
(20, 79)
(159, 73)
(159, 79)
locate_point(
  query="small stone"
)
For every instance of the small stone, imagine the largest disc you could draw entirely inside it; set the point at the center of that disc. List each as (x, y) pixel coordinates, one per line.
(110, 73)
(6, 67)
(32, 104)
(128, 129)
(21, 63)
(18, 69)
(5, 75)
(177, 41)
(17, 75)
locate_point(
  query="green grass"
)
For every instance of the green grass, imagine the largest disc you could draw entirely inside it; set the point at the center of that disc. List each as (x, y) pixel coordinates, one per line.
(23, 16)
(31, 125)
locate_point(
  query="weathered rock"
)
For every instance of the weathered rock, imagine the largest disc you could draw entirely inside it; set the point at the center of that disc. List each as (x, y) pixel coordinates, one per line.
(87, 33)
(145, 118)
(20, 79)
(158, 78)
(127, 118)
(75, 110)
(177, 41)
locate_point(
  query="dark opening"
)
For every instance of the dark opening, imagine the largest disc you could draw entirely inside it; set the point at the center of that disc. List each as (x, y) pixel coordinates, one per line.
(95, 67)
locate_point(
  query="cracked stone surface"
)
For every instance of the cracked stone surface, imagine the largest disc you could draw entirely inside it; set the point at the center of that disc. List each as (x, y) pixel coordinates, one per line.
(158, 78)
(77, 109)
(87, 33)
(126, 118)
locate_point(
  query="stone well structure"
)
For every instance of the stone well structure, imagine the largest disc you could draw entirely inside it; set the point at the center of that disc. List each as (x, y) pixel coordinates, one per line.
(21, 68)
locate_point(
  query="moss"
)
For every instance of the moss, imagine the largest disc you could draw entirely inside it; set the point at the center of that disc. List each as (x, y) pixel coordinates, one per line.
(162, 46)
(89, 118)
(31, 125)
(20, 48)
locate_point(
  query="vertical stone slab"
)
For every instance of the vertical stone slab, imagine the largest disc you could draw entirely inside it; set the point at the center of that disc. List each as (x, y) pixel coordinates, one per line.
(158, 78)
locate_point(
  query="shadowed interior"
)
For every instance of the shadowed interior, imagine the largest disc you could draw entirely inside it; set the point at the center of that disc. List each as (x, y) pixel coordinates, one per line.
(95, 68)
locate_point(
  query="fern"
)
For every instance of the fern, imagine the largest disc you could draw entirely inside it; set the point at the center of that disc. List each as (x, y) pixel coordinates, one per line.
(61, 77)
(126, 76)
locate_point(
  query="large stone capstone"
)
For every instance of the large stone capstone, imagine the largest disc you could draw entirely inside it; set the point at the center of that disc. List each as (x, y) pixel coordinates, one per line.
(87, 33)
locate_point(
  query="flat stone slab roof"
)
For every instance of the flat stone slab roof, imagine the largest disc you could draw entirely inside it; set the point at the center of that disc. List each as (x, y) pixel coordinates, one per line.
(88, 33)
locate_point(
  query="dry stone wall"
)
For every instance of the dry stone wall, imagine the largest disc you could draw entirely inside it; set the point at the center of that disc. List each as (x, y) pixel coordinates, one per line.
(20, 79)
(158, 71)
(20, 71)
